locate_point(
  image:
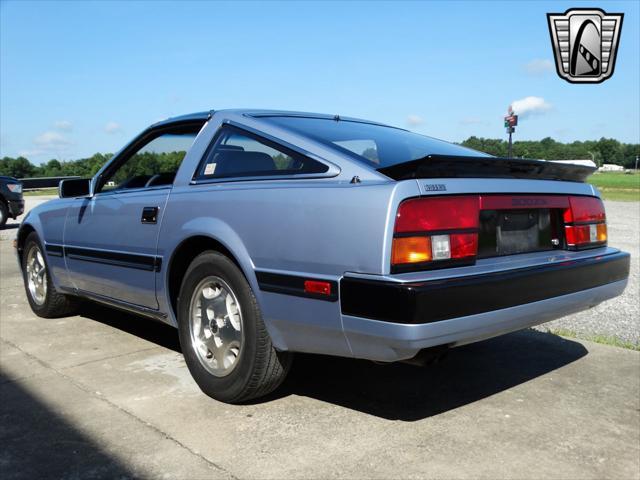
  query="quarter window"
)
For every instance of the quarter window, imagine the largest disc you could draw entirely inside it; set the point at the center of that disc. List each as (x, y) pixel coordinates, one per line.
(240, 154)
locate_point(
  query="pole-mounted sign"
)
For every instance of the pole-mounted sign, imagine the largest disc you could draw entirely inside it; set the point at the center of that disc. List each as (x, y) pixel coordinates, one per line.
(510, 123)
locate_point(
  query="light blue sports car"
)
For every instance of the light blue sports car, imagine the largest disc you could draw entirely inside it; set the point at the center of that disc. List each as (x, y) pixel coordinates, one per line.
(262, 233)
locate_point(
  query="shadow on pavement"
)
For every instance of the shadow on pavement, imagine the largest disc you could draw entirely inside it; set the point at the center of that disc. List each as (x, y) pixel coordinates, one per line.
(396, 391)
(38, 443)
(9, 226)
(409, 393)
(153, 331)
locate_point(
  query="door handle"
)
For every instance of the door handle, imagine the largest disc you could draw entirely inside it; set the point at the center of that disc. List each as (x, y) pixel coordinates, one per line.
(149, 215)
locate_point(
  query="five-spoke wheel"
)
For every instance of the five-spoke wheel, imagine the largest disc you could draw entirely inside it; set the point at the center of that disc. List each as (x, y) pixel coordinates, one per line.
(36, 273)
(216, 326)
(43, 298)
(224, 340)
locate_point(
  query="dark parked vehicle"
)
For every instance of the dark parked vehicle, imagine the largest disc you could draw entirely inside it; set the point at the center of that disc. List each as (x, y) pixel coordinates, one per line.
(11, 201)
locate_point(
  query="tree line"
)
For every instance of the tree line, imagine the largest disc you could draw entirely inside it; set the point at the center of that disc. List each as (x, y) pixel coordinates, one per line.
(605, 150)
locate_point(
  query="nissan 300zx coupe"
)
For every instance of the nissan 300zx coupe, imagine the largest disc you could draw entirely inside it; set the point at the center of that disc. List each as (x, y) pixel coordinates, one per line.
(258, 234)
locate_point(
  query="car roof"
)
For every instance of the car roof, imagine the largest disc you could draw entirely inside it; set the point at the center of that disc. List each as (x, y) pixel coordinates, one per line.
(257, 113)
(190, 117)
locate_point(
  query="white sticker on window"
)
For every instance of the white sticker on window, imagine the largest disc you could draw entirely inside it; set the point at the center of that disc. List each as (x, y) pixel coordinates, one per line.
(210, 168)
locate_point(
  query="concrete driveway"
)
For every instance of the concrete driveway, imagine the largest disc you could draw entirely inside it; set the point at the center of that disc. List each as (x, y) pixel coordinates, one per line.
(107, 395)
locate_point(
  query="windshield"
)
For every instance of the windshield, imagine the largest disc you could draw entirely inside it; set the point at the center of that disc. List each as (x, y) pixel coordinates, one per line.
(375, 145)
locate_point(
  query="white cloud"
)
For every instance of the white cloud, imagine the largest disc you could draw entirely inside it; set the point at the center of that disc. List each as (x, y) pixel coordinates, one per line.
(539, 66)
(414, 120)
(113, 127)
(53, 140)
(63, 125)
(48, 143)
(530, 105)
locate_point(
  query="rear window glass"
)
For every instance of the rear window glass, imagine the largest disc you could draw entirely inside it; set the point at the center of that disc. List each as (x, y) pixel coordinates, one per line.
(376, 145)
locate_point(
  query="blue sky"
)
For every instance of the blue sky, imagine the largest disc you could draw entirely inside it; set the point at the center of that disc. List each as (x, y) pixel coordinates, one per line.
(78, 78)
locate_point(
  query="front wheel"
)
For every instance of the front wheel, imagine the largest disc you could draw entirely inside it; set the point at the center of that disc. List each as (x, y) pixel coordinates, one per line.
(223, 337)
(43, 298)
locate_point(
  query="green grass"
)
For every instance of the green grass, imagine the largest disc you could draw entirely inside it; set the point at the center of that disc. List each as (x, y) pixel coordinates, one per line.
(616, 180)
(38, 193)
(617, 185)
(620, 195)
(602, 339)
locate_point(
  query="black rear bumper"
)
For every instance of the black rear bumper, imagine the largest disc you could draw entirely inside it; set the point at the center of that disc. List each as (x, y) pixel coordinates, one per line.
(443, 299)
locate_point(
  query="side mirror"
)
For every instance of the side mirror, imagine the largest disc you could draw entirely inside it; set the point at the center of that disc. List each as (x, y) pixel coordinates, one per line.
(74, 187)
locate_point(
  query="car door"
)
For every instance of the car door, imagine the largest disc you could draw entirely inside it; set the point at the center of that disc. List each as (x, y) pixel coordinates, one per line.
(110, 238)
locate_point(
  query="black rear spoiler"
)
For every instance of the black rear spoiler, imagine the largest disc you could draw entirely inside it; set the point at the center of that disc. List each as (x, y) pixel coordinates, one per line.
(450, 166)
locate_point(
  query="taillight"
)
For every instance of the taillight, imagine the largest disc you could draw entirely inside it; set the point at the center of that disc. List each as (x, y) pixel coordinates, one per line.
(585, 223)
(433, 232)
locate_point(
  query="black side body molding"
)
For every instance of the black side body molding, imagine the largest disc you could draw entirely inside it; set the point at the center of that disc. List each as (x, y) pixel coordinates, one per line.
(119, 259)
(119, 304)
(437, 300)
(54, 250)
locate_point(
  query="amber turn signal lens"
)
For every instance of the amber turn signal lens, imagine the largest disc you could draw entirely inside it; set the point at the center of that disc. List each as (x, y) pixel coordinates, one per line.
(411, 250)
(602, 232)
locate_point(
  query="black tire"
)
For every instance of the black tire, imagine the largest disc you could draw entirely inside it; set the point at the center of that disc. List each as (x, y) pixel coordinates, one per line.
(4, 213)
(260, 369)
(55, 304)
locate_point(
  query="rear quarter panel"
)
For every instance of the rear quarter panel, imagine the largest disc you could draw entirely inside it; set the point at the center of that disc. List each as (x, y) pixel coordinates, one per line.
(316, 228)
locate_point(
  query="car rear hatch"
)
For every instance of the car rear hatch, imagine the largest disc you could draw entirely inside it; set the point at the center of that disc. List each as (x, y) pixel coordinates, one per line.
(470, 240)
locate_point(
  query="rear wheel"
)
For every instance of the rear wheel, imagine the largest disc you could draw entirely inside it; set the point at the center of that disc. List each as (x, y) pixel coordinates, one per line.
(43, 298)
(223, 337)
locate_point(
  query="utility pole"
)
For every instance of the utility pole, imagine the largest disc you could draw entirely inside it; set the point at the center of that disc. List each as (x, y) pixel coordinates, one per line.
(510, 122)
(636, 163)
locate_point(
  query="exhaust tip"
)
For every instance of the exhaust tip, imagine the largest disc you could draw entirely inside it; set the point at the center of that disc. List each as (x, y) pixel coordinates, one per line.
(429, 356)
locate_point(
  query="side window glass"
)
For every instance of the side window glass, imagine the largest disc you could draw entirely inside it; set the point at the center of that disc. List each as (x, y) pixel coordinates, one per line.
(155, 164)
(239, 154)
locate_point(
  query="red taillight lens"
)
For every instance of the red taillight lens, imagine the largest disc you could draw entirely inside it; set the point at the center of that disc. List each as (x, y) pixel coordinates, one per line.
(445, 228)
(464, 245)
(585, 222)
(438, 213)
(584, 210)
